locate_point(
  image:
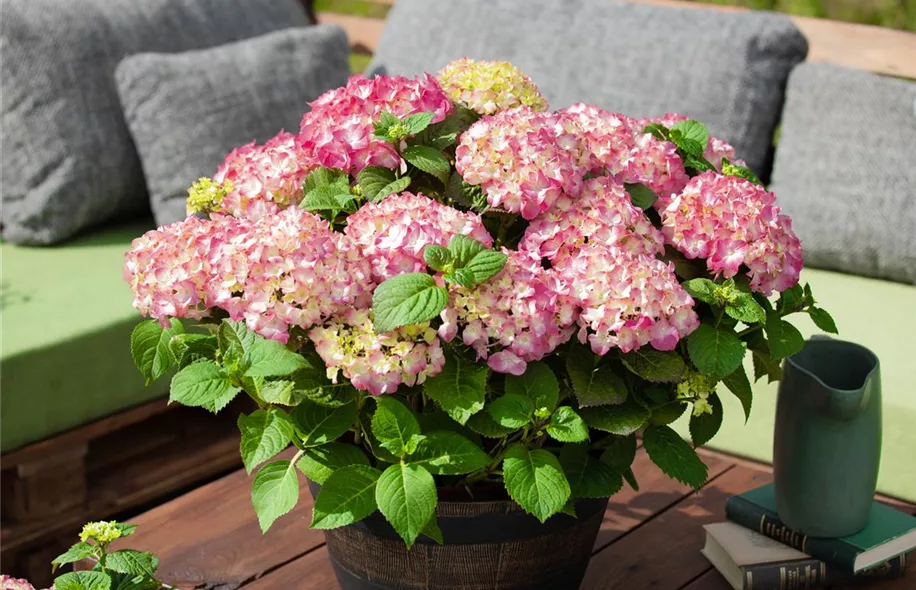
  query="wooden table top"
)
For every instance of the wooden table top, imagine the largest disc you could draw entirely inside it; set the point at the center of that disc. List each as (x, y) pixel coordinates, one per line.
(209, 538)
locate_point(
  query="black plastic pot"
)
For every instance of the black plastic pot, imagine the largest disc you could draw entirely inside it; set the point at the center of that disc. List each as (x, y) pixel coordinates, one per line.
(488, 546)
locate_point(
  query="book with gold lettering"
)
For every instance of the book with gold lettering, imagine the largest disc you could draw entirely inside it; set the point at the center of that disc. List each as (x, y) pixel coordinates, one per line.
(751, 561)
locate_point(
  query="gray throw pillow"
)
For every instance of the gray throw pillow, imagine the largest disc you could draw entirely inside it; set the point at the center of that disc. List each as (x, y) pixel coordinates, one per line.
(186, 111)
(68, 161)
(727, 69)
(845, 170)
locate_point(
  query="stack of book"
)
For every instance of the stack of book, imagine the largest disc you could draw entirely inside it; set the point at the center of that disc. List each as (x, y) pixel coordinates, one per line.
(756, 551)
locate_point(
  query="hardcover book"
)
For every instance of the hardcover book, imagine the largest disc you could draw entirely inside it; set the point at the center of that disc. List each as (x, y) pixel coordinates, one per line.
(750, 561)
(889, 532)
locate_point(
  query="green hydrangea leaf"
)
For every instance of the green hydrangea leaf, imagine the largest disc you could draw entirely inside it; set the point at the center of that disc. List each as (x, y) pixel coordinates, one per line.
(131, 562)
(484, 425)
(316, 424)
(432, 531)
(784, 338)
(77, 552)
(655, 366)
(346, 496)
(511, 411)
(823, 320)
(264, 434)
(567, 426)
(674, 456)
(280, 392)
(234, 338)
(701, 289)
(462, 277)
(666, 414)
(715, 351)
(588, 477)
(535, 480)
(463, 249)
(620, 453)
(394, 426)
(391, 188)
(537, 383)
(372, 179)
(190, 348)
(622, 419)
(407, 299)
(406, 496)
(459, 389)
(429, 160)
(326, 177)
(448, 453)
(594, 383)
(149, 347)
(745, 309)
(437, 257)
(202, 384)
(313, 384)
(486, 264)
(738, 383)
(641, 195)
(690, 136)
(269, 358)
(83, 581)
(417, 122)
(320, 462)
(274, 492)
(703, 427)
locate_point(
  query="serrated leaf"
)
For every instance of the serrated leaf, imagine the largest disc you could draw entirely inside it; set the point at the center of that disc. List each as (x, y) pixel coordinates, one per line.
(83, 580)
(126, 529)
(320, 462)
(716, 352)
(437, 257)
(313, 384)
(326, 198)
(316, 424)
(595, 383)
(567, 426)
(666, 414)
(202, 384)
(738, 383)
(703, 427)
(432, 421)
(641, 195)
(279, 392)
(269, 358)
(442, 134)
(77, 552)
(823, 320)
(630, 478)
(657, 130)
(234, 338)
(459, 389)
(588, 477)
(149, 347)
(655, 366)
(622, 419)
(407, 299)
(784, 339)
(746, 309)
(537, 383)
(463, 249)
(372, 179)
(486, 264)
(484, 425)
(432, 531)
(406, 496)
(394, 426)
(429, 160)
(391, 188)
(764, 364)
(190, 348)
(346, 496)
(729, 169)
(417, 122)
(674, 456)
(698, 163)
(462, 277)
(264, 434)
(274, 492)
(701, 289)
(131, 562)
(620, 453)
(791, 299)
(535, 480)
(694, 134)
(511, 411)
(448, 453)
(323, 177)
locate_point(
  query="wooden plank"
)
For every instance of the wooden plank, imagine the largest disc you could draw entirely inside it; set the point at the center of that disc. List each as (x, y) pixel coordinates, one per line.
(665, 552)
(312, 571)
(628, 509)
(364, 33)
(210, 537)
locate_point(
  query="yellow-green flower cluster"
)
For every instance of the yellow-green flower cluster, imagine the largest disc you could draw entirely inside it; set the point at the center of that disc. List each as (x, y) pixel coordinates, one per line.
(488, 87)
(207, 196)
(101, 532)
(698, 386)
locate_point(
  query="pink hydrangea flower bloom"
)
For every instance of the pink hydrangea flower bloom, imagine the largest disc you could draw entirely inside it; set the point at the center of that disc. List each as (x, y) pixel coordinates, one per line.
(392, 234)
(487, 87)
(377, 363)
(625, 300)
(603, 213)
(265, 179)
(511, 319)
(11, 583)
(716, 149)
(614, 144)
(521, 159)
(337, 132)
(733, 222)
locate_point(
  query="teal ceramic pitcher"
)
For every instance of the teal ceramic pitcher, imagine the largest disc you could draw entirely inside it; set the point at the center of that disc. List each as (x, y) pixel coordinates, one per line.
(827, 442)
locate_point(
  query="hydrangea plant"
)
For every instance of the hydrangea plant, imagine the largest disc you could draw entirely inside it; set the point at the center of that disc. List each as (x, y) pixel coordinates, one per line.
(441, 284)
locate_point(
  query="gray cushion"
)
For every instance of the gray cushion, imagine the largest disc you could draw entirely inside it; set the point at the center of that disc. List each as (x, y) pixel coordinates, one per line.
(68, 161)
(725, 69)
(845, 170)
(186, 111)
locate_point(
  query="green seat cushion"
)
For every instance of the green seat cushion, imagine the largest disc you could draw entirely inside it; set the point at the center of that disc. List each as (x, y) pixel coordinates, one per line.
(877, 314)
(65, 319)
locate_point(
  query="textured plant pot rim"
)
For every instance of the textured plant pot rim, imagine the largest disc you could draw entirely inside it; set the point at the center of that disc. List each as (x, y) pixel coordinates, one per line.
(473, 522)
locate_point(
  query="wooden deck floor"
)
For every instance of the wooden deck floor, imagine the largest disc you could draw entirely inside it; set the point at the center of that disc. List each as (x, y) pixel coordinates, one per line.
(209, 538)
